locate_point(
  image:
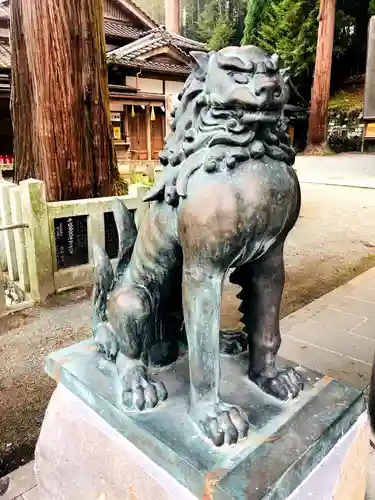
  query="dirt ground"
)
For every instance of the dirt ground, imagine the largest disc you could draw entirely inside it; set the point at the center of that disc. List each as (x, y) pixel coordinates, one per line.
(334, 241)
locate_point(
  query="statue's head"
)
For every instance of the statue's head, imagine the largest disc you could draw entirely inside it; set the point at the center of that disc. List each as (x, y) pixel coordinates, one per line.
(245, 78)
(229, 111)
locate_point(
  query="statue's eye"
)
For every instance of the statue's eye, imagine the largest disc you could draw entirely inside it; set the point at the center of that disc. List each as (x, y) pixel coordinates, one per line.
(270, 66)
(241, 78)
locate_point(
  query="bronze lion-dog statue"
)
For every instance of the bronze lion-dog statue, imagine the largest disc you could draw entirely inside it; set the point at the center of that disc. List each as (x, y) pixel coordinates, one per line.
(225, 202)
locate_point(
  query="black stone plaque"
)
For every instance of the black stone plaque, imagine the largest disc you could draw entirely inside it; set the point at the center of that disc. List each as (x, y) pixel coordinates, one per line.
(71, 241)
(111, 234)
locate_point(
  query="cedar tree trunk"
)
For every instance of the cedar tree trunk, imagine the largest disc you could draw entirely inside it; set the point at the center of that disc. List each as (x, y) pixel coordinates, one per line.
(317, 134)
(60, 100)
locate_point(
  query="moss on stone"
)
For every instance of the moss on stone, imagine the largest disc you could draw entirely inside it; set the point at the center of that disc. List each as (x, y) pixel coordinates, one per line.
(347, 101)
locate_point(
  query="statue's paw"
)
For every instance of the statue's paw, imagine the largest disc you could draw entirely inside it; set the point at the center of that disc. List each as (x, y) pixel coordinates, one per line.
(224, 424)
(287, 384)
(140, 392)
(106, 342)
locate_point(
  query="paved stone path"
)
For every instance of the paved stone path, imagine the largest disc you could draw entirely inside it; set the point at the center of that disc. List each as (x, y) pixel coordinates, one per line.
(347, 169)
(334, 335)
(22, 484)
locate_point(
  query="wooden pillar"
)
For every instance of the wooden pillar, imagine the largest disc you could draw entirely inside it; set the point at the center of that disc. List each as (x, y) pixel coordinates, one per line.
(148, 132)
(291, 134)
(172, 15)
(126, 123)
(317, 134)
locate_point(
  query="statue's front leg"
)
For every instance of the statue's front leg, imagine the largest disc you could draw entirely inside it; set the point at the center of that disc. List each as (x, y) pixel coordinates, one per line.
(130, 314)
(262, 287)
(220, 422)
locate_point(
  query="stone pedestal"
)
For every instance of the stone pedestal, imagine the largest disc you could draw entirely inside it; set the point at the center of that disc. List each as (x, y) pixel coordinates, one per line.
(90, 448)
(80, 456)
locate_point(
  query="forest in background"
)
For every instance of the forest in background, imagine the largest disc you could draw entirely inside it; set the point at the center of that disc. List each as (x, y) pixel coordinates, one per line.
(288, 27)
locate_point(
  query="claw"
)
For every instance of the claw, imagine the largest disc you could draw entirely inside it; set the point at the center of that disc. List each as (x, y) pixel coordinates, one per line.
(140, 392)
(223, 424)
(106, 341)
(151, 396)
(240, 422)
(230, 431)
(214, 433)
(287, 384)
(161, 391)
(139, 399)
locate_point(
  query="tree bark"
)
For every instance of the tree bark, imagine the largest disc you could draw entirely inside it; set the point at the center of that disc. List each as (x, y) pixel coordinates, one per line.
(317, 134)
(21, 99)
(60, 100)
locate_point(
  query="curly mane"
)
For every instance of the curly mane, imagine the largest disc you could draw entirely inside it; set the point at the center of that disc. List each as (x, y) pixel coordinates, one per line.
(201, 123)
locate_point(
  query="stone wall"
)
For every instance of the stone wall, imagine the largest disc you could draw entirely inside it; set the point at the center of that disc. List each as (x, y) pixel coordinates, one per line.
(345, 130)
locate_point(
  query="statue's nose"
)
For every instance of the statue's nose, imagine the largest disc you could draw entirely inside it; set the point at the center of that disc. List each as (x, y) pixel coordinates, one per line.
(269, 87)
(241, 94)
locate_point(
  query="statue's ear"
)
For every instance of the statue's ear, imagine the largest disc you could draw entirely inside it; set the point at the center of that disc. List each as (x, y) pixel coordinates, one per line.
(285, 73)
(275, 59)
(199, 63)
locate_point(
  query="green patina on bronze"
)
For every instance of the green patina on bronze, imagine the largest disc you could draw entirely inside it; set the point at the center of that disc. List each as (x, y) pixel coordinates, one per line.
(226, 200)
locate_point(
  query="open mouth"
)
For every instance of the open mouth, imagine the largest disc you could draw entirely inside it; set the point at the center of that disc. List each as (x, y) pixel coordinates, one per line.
(261, 115)
(247, 115)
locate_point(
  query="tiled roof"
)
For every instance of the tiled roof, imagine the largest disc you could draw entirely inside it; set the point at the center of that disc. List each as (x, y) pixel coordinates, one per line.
(4, 11)
(132, 62)
(185, 43)
(134, 53)
(157, 66)
(179, 41)
(4, 55)
(131, 54)
(118, 29)
(154, 39)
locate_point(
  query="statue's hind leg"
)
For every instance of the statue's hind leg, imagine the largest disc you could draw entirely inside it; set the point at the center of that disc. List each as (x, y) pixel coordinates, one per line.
(129, 313)
(262, 285)
(133, 309)
(202, 289)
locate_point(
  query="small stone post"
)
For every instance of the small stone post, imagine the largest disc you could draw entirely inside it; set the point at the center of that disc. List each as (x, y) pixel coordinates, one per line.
(19, 238)
(8, 236)
(3, 305)
(38, 247)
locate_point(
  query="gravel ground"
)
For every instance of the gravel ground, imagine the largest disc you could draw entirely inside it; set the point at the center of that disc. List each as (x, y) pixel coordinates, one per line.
(330, 244)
